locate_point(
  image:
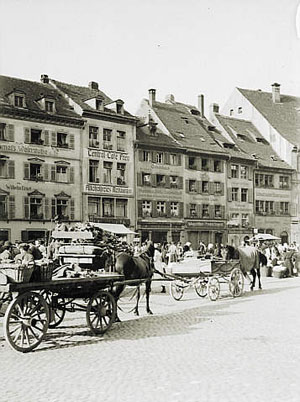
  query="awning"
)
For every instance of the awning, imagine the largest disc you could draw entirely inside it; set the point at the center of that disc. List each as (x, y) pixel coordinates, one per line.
(113, 228)
(60, 234)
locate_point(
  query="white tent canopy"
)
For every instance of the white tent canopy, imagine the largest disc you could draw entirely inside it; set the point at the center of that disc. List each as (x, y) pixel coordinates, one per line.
(264, 236)
(60, 234)
(113, 228)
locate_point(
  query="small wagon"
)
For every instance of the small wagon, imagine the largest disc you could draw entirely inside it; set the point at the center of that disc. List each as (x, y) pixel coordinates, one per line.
(206, 276)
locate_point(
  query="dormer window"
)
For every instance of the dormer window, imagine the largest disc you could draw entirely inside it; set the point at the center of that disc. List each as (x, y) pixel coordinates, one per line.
(49, 106)
(47, 103)
(99, 104)
(17, 98)
(19, 101)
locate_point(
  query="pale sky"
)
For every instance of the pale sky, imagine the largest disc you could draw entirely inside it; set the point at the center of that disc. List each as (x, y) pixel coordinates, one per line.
(183, 47)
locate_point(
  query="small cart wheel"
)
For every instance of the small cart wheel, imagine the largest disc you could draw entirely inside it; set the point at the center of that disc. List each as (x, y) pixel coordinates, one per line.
(201, 287)
(236, 282)
(26, 322)
(177, 289)
(213, 288)
(101, 312)
(56, 307)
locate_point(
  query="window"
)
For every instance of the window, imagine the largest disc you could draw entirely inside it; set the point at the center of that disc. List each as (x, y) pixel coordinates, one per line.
(269, 207)
(108, 206)
(204, 164)
(234, 171)
(3, 168)
(107, 168)
(36, 137)
(107, 138)
(159, 157)
(174, 159)
(244, 195)
(235, 219)
(269, 180)
(204, 187)
(240, 110)
(160, 180)
(62, 208)
(192, 186)
(205, 211)
(61, 173)
(93, 137)
(35, 171)
(94, 206)
(174, 206)
(19, 101)
(173, 181)
(121, 136)
(62, 140)
(146, 208)
(121, 174)
(244, 172)
(284, 208)
(259, 206)
(3, 207)
(245, 220)
(121, 208)
(192, 162)
(93, 171)
(2, 131)
(161, 208)
(146, 179)
(146, 156)
(218, 211)
(193, 211)
(99, 104)
(36, 208)
(218, 187)
(231, 112)
(217, 166)
(234, 193)
(49, 106)
(284, 182)
(264, 207)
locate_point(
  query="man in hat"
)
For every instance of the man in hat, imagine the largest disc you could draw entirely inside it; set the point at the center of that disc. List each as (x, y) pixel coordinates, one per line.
(6, 253)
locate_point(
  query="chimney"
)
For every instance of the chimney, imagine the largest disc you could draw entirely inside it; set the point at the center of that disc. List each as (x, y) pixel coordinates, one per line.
(44, 79)
(201, 104)
(94, 85)
(170, 98)
(152, 93)
(276, 93)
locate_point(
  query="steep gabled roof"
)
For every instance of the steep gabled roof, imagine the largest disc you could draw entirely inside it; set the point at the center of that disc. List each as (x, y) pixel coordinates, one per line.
(159, 139)
(188, 129)
(283, 116)
(251, 142)
(33, 92)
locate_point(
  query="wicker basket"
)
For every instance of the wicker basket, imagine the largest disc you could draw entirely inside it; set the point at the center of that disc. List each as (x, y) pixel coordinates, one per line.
(17, 272)
(42, 272)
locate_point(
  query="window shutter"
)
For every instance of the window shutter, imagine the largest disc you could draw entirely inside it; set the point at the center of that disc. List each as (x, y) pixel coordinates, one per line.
(141, 155)
(179, 160)
(198, 186)
(46, 208)
(72, 209)
(180, 210)
(187, 186)
(229, 194)
(198, 163)
(26, 135)
(211, 165)
(10, 133)
(199, 210)
(46, 172)
(167, 178)
(223, 212)
(24, 236)
(53, 138)
(46, 137)
(211, 187)
(250, 195)
(11, 207)
(211, 211)
(187, 210)
(180, 182)
(26, 171)
(168, 209)
(154, 209)
(293, 208)
(154, 157)
(26, 208)
(222, 188)
(276, 207)
(71, 141)
(229, 170)
(11, 169)
(140, 208)
(186, 162)
(153, 180)
(53, 208)
(250, 173)
(71, 174)
(53, 173)
(167, 158)
(139, 179)
(222, 166)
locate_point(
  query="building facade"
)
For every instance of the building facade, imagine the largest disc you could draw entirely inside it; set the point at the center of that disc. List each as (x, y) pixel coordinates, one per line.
(40, 165)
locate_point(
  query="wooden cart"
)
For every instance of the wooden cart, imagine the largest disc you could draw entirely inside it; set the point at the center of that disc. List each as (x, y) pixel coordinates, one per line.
(32, 308)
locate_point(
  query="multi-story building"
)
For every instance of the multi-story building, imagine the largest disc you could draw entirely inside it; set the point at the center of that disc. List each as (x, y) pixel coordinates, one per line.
(203, 166)
(40, 136)
(160, 197)
(277, 118)
(261, 171)
(108, 179)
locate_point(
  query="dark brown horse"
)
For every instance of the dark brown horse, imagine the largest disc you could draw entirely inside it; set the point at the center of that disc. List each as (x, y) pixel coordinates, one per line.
(139, 268)
(250, 259)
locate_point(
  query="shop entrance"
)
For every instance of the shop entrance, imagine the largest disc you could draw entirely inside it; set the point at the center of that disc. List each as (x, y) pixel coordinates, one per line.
(218, 238)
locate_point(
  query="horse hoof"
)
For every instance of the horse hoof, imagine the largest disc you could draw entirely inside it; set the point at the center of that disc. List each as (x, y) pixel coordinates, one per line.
(251, 289)
(150, 312)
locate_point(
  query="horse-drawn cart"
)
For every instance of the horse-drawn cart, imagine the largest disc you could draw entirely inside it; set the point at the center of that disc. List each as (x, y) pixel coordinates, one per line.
(32, 308)
(206, 276)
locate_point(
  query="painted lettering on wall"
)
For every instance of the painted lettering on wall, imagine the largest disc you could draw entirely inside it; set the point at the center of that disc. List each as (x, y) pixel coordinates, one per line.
(99, 188)
(112, 155)
(27, 149)
(18, 187)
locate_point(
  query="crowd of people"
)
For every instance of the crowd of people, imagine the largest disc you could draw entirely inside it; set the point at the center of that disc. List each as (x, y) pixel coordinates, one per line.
(22, 253)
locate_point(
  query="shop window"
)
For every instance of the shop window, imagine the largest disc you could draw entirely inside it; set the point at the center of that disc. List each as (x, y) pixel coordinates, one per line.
(93, 171)
(94, 207)
(121, 208)
(108, 207)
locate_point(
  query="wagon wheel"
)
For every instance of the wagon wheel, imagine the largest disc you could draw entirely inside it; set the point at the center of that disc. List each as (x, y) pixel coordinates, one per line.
(236, 282)
(101, 312)
(177, 289)
(56, 307)
(26, 321)
(213, 288)
(201, 287)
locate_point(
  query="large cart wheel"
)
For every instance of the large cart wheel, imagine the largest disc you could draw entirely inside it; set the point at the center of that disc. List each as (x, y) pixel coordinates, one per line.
(236, 282)
(56, 307)
(213, 288)
(177, 289)
(101, 312)
(26, 321)
(201, 287)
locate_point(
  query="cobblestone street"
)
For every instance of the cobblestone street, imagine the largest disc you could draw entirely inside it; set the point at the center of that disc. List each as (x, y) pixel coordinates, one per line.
(244, 349)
